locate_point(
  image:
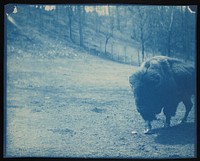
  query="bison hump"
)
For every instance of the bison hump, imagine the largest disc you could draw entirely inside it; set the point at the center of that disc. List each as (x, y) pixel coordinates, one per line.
(182, 71)
(184, 75)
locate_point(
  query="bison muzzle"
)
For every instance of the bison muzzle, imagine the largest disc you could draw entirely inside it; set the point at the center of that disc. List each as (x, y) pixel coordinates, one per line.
(162, 83)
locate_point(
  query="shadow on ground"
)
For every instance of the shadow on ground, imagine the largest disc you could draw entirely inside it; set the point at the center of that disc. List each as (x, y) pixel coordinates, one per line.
(179, 134)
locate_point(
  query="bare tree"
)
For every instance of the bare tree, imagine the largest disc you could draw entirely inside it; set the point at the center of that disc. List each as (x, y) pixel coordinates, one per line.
(171, 12)
(80, 10)
(108, 36)
(117, 17)
(140, 32)
(186, 35)
(97, 20)
(166, 24)
(111, 18)
(70, 14)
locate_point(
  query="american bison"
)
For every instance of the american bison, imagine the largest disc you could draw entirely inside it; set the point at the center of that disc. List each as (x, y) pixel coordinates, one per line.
(162, 83)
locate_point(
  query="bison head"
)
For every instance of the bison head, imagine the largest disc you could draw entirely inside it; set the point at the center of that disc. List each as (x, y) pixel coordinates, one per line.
(144, 86)
(147, 84)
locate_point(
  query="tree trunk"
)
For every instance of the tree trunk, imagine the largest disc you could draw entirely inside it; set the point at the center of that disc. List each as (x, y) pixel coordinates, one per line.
(169, 44)
(187, 54)
(70, 22)
(169, 33)
(125, 17)
(142, 42)
(111, 20)
(124, 54)
(142, 51)
(107, 38)
(117, 17)
(80, 22)
(138, 57)
(97, 20)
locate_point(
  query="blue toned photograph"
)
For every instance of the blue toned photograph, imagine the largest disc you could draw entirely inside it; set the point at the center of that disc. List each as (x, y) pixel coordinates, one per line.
(100, 81)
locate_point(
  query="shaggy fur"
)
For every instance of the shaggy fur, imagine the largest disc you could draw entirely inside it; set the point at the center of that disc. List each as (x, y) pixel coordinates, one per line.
(161, 83)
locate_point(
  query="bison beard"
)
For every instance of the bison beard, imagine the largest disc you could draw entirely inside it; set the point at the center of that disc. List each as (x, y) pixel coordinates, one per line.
(161, 83)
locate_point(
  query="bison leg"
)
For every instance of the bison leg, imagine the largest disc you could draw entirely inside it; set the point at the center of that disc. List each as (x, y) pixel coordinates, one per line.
(188, 106)
(169, 111)
(167, 121)
(148, 127)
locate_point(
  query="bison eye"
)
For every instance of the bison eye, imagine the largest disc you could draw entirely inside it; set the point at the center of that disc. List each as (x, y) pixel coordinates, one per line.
(152, 78)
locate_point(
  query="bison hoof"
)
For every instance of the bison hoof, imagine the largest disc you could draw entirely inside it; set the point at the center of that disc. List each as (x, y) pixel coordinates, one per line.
(148, 131)
(183, 121)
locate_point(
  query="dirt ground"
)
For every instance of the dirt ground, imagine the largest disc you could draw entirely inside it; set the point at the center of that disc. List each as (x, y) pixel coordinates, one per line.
(82, 106)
